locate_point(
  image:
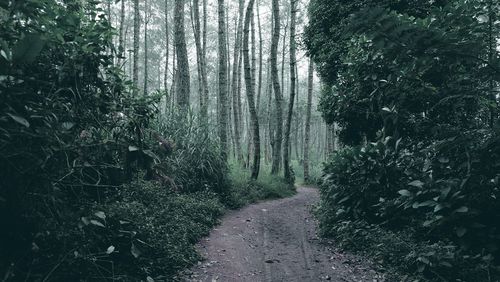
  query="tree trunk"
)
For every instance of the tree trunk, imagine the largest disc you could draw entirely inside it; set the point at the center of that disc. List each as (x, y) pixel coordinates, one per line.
(259, 89)
(275, 168)
(201, 56)
(223, 105)
(137, 23)
(167, 39)
(249, 81)
(195, 23)
(268, 136)
(183, 87)
(236, 82)
(307, 133)
(254, 51)
(121, 47)
(492, 46)
(286, 147)
(146, 51)
(204, 75)
(174, 77)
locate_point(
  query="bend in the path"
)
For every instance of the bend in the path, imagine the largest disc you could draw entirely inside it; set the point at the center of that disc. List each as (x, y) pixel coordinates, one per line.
(276, 241)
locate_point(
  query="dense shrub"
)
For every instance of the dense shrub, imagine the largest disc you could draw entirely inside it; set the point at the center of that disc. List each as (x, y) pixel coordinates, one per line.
(93, 185)
(413, 88)
(244, 191)
(444, 194)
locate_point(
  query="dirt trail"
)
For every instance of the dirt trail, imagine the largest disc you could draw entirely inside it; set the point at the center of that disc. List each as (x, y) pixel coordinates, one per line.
(276, 241)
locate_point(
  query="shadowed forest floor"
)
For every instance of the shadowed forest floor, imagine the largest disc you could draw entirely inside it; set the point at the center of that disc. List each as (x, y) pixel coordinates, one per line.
(276, 241)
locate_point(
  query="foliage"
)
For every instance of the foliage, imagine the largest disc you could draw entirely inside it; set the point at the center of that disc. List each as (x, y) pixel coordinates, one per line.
(415, 97)
(93, 185)
(196, 163)
(160, 227)
(445, 193)
(244, 191)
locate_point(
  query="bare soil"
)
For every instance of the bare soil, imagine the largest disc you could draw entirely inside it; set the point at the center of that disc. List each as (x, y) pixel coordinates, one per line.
(277, 241)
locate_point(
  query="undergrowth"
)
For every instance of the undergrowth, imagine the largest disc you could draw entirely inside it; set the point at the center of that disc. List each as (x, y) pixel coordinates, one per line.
(244, 191)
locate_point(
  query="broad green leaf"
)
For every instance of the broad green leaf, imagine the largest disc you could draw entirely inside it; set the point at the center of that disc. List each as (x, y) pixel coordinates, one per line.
(19, 120)
(135, 251)
(416, 183)
(100, 215)
(85, 220)
(405, 193)
(68, 125)
(438, 207)
(444, 160)
(133, 148)
(462, 209)
(97, 223)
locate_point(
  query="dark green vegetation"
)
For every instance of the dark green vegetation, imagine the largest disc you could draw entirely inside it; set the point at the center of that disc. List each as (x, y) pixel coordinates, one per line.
(267, 187)
(94, 183)
(413, 86)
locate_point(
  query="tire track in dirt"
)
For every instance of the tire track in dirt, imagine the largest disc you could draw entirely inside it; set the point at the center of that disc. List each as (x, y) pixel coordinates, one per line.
(276, 241)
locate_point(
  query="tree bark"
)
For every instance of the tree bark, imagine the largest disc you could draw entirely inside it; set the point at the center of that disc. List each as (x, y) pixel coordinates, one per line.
(307, 133)
(250, 86)
(204, 75)
(259, 89)
(121, 47)
(275, 168)
(286, 147)
(146, 22)
(236, 84)
(167, 39)
(223, 105)
(200, 53)
(137, 23)
(183, 87)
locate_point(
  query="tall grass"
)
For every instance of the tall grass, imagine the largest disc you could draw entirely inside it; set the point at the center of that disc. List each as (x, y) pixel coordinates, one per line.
(244, 191)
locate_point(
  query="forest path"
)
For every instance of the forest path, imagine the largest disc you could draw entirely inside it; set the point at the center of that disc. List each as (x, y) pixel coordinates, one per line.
(276, 241)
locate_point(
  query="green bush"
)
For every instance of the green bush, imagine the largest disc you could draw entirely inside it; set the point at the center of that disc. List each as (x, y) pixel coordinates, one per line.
(244, 191)
(438, 194)
(92, 185)
(161, 227)
(195, 163)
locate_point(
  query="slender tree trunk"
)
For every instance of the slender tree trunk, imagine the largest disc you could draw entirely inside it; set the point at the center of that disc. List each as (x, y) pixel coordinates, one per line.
(195, 23)
(236, 84)
(492, 46)
(286, 146)
(275, 168)
(121, 46)
(254, 51)
(259, 89)
(200, 35)
(204, 75)
(269, 133)
(137, 23)
(223, 115)
(204, 35)
(307, 133)
(250, 85)
(183, 87)
(125, 56)
(173, 86)
(167, 43)
(146, 51)
(283, 56)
